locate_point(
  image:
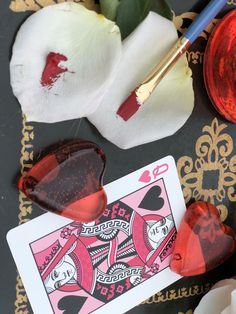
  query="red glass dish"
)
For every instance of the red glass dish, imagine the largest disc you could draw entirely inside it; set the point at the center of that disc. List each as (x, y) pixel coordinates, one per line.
(220, 67)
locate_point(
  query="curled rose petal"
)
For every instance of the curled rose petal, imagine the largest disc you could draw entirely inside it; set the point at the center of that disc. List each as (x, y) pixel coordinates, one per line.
(169, 106)
(63, 59)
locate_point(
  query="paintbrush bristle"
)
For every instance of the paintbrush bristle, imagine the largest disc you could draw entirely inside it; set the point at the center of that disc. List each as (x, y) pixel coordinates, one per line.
(129, 107)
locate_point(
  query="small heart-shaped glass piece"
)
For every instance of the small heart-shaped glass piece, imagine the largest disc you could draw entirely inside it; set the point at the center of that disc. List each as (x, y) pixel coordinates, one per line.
(68, 181)
(203, 242)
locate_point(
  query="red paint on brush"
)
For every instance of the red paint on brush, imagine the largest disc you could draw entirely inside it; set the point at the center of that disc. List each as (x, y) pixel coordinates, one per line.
(129, 107)
(52, 69)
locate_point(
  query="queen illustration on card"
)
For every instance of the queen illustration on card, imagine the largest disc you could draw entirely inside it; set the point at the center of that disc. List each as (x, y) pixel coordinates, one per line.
(104, 259)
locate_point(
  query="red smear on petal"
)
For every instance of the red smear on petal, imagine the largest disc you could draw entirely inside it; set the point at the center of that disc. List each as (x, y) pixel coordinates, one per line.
(129, 107)
(52, 69)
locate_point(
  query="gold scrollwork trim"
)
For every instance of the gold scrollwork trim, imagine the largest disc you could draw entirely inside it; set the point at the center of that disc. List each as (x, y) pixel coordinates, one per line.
(180, 293)
(214, 156)
(195, 57)
(26, 162)
(231, 2)
(25, 207)
(21, 303)
(180, 21)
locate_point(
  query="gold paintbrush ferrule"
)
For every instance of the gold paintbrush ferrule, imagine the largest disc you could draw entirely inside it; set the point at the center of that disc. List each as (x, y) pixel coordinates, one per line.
(145, 90)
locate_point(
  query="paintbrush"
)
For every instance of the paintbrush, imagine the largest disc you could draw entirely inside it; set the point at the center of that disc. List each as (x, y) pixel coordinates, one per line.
(139, 96)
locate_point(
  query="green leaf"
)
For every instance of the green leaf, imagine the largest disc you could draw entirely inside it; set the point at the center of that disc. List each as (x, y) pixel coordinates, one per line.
(130, 13)
(109, 8)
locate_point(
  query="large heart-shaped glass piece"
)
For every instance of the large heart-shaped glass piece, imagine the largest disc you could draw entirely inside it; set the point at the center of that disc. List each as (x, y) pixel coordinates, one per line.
(68, 181)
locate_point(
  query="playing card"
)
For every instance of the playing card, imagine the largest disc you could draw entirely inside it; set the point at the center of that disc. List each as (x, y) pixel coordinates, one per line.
(113, 263)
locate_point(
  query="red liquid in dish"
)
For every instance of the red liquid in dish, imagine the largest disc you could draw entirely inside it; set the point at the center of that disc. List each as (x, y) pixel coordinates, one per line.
(220, 67)
(68, 181)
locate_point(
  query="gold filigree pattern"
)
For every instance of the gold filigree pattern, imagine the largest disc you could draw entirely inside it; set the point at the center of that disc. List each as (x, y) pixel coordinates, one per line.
(188, 312)
(35, 5)
(212, 175)
(25, 207)
(231, 2)
(195, 57)
(26, 161)
(182, 21)
(27, 153)
(181, 293)
(21, 303)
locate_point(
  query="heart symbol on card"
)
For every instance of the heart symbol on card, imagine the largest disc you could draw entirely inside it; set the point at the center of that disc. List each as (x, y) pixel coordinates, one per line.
(71, 304)
(152, 199)
(203, 242)
(145, 177)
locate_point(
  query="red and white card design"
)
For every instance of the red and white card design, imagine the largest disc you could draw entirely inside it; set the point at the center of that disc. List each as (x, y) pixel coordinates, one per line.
(113, 263)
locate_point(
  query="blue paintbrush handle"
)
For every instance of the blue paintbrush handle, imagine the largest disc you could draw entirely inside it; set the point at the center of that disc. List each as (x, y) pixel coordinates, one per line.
(203, 19)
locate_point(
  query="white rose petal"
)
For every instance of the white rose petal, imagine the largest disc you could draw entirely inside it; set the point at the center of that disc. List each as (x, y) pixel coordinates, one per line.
(233, 302)
(92, 46)
(169, 106)
(221, 299)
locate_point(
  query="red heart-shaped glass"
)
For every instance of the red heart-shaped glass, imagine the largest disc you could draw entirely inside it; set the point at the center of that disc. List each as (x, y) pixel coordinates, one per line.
(220, 67)
(68, 181)
(203, 242)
